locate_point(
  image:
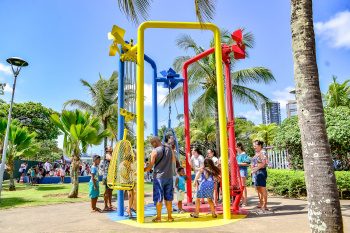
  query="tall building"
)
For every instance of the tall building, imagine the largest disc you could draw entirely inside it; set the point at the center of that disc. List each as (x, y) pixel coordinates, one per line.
(271, 112)
(292, 108)
(241, 117)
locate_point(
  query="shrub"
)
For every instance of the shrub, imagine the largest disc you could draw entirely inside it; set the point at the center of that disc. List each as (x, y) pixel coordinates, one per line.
(291, 183)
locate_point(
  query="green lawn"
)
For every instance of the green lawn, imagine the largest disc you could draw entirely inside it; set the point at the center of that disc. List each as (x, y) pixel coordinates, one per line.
(45, 194)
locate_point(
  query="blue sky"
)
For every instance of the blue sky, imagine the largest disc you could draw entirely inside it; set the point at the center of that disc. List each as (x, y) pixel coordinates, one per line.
(65, 40)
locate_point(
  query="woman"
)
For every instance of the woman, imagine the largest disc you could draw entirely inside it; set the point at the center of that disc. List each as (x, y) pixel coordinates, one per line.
(259, 162)
(243, 163)
(197, 161)
(211, 154)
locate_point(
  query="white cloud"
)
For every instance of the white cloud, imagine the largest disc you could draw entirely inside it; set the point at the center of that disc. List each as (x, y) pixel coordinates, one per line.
(336, 31)
(283, 96)
(5, 68)
(161, 93)
(8, 88)
(251, 115)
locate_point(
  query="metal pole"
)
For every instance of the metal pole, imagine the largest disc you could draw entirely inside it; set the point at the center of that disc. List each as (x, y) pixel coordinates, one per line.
(123, 71)
(7, 134)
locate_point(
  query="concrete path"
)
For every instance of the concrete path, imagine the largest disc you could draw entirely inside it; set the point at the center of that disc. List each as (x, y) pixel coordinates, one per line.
(285, 215)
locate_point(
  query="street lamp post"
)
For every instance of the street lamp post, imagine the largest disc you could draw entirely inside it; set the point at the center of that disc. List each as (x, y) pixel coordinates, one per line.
(19, 63)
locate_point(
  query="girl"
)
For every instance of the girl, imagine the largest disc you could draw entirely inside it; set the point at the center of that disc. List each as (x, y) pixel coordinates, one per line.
(243, 163)
(211, 154)
(206, 187)
(127, 174)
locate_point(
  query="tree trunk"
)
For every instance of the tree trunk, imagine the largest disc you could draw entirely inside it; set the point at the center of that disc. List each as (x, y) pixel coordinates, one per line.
(323, 196)
(10, 166)
(105, 139)
(112, 142)
(75, 175)
(217, 128)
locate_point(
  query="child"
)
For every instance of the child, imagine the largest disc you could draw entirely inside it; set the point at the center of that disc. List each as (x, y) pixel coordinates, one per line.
(94, 190)
(32, 174)
(180, 183)
(126, 172)
(206, 187)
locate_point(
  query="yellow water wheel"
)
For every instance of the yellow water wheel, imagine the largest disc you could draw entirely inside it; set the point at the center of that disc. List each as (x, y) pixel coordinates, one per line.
(121, 171)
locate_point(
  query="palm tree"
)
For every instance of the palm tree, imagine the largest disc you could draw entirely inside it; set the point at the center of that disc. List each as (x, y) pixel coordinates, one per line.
(205, 132)
(3, 127)
(136, 9)
(80, 130)
(20, 142)
(104, 94)
(202, 77)
(338, 94)
(324, 207)
(264, 133)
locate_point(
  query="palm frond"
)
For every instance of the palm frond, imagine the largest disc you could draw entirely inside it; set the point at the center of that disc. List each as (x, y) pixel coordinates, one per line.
(205, 10)
(252, 75)
(247, 95)
(135, 10)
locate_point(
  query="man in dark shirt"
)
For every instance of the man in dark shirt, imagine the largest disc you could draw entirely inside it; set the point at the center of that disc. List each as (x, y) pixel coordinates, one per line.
(162, 158)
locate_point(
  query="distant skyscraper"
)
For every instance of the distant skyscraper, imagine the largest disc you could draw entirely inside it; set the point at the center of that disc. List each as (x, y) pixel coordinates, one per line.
(292, 108)
(241, 117)
(271, 113)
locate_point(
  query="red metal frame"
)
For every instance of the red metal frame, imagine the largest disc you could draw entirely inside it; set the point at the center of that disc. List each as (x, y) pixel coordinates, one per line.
(239, 53)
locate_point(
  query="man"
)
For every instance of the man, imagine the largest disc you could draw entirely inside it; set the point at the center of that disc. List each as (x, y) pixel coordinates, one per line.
(167, 138)
(47, 168)
(62, 169)
(162, 157)
(108, 191)
(5, 169)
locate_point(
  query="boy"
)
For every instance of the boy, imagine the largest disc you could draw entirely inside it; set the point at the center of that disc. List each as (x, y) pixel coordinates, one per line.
(94, 190)
(180, 183)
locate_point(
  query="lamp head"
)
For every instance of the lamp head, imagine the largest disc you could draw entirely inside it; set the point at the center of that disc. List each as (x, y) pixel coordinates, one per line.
(16, 61)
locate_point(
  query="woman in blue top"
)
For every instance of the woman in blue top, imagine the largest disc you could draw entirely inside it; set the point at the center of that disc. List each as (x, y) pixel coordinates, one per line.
(243, 163)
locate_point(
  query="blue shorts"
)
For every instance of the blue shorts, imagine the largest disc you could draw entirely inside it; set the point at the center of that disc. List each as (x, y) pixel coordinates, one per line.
(243, 172)
(260, 178)
(163, 188)
(92, 192)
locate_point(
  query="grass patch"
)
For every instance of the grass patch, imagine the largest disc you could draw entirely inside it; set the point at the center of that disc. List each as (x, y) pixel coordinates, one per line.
(46, 194)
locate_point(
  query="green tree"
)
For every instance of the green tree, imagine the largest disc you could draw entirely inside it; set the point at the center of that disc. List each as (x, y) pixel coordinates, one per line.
(104, 94)
(338, 131)
(48, 150)
(243, 130)
(202, 77)
(204, 135)
(324, 206)
(80, 130)
(20, 143)
(264, 133)
(35, 117)
(338, 94)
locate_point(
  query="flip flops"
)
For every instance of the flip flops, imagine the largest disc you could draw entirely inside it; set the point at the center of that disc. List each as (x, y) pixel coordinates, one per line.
(156, 220)
(97, 210)
(193, 216)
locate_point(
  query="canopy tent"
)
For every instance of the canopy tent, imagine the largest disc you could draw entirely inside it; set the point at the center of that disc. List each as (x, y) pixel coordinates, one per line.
(65, 158)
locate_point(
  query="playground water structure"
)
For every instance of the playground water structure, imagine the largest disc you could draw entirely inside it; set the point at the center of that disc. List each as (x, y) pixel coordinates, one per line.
(136, 53)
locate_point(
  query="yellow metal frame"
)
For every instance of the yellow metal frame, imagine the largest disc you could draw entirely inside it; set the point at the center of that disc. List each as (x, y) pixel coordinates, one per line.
(140, 109)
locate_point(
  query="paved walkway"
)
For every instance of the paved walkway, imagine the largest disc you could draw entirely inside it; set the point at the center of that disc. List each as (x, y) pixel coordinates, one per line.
(286, 215)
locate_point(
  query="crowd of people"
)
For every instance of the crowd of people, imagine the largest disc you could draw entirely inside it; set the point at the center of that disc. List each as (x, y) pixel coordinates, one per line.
(168, 177)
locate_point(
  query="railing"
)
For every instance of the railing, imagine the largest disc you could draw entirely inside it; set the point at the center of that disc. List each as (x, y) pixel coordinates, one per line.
(278, 159)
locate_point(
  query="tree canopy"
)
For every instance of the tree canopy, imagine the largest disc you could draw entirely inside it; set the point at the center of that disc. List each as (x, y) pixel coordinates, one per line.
(35, 117)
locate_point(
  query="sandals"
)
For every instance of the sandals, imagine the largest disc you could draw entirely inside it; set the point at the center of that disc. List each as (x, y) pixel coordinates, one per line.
(107, 210)
(156, 220)
(193, 216)
(97, 210)
(128, 212)
(215, 216)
